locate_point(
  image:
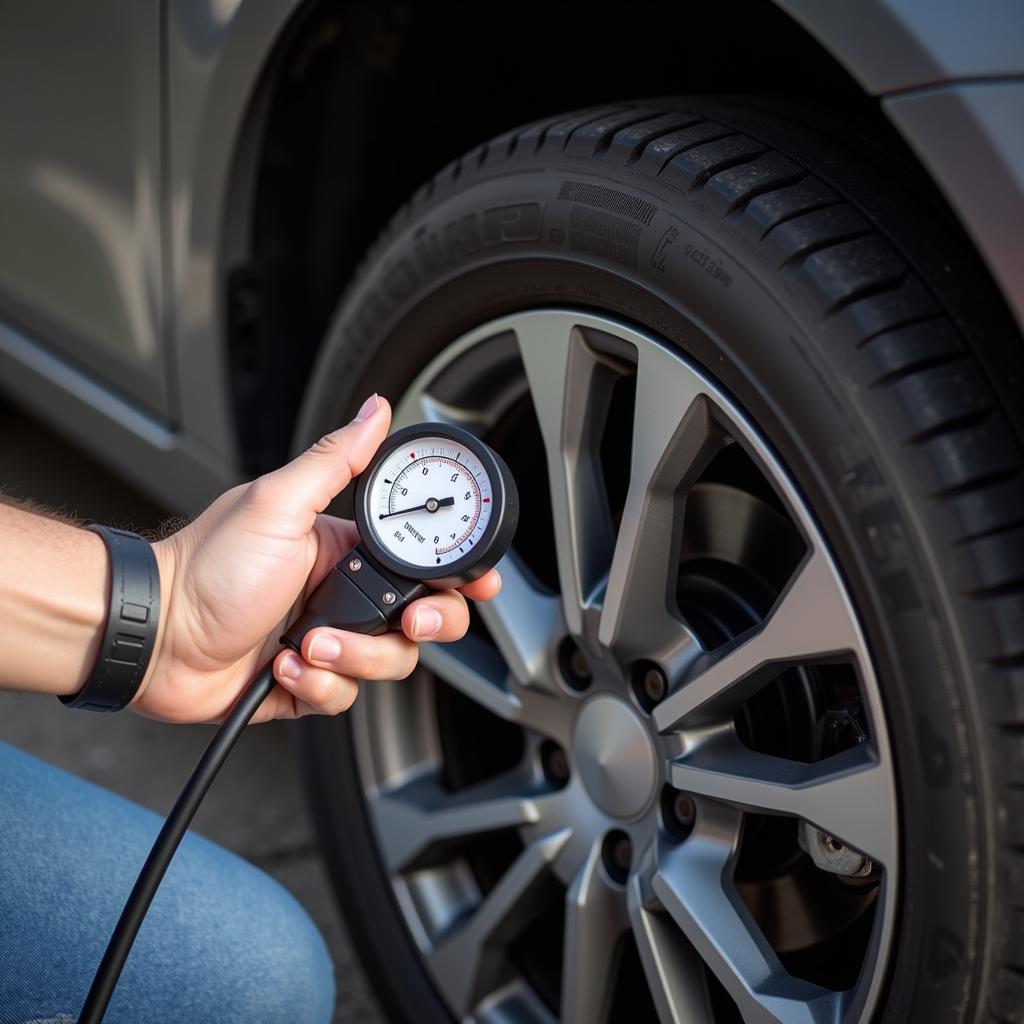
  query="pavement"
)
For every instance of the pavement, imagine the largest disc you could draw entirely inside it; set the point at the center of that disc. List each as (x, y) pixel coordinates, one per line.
(256, 807)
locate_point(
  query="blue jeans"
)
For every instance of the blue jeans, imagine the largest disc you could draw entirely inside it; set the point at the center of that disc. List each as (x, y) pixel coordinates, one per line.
(222, 943)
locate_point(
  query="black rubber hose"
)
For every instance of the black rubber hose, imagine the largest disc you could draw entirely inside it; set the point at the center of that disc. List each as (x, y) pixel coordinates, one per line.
(167, 842)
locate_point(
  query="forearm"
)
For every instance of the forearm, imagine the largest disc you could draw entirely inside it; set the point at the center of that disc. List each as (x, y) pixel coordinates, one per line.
(54, 587)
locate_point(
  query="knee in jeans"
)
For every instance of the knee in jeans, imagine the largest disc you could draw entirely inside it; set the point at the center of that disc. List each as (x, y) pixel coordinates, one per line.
(252, 953)
(283, 962)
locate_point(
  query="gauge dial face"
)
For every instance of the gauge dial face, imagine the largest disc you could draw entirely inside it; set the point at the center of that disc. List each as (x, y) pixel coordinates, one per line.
(429, 502)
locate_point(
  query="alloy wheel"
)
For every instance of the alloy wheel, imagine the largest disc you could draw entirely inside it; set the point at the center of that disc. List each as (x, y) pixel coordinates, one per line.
(656, 773)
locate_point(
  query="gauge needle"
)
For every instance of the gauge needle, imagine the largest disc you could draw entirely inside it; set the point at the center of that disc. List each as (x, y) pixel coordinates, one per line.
(431, 505)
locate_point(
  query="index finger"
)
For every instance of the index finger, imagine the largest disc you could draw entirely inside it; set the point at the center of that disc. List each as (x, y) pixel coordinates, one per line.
(484, 588)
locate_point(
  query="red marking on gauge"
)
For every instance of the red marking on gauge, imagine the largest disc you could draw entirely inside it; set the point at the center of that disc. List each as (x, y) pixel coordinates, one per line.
(486, 499)
(412, 455)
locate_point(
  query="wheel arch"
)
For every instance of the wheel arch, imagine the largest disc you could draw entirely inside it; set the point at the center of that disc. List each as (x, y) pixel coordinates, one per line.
(953, 86)
(335, 72)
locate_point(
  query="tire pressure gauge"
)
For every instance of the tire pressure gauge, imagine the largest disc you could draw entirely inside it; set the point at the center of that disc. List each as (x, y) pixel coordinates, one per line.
(436, 508)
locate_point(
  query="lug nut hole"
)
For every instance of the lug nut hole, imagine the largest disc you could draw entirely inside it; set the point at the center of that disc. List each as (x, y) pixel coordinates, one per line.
(678, 812)
(617, 856)
(650, 686)
(574, 665)
(555, 763)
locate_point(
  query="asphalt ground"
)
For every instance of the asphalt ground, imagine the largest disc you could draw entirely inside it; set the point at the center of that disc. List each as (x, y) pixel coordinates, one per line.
(257, 807)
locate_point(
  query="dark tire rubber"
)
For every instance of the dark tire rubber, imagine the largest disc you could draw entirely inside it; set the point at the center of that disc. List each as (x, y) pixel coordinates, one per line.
(859, 334)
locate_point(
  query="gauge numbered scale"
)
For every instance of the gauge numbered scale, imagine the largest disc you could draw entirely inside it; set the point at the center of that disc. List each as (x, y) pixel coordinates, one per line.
(436, 504)
(429, 502)
(435, 508)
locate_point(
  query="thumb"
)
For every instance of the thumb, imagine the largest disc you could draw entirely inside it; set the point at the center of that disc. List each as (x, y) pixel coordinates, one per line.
(309, 483)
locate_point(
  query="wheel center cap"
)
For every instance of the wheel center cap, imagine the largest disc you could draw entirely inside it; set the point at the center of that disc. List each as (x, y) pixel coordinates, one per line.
(614, 756)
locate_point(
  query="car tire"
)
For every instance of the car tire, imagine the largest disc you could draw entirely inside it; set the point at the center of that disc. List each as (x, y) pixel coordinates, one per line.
(830, 299)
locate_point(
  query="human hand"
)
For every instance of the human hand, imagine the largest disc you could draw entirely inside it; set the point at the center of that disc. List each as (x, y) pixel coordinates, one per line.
(235, 578)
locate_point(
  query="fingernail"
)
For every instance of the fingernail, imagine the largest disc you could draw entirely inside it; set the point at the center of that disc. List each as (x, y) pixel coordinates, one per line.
(324, 648)
(368, 408)
(290, 667)
(426, 623)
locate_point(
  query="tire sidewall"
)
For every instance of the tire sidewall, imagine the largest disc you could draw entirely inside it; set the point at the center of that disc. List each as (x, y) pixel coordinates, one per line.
(504, 242)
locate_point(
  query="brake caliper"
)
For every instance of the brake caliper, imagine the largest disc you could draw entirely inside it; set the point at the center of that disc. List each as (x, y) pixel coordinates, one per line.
(841, 728)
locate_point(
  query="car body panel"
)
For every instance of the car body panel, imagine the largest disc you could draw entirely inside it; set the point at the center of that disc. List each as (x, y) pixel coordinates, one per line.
(127, 176)
(950, 77)
(173, 437)
(168, 463)
(80, 187)
(216, 53)
(971, 136)
(891, 45)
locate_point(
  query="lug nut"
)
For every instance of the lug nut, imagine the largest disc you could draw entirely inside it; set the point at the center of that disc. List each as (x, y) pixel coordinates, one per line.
(650, 684)
(655, 685)
(578, 664)
(575, 667)
(617, 856)
(555, 763)
(622, 853)
(684, 810)
(678, 812)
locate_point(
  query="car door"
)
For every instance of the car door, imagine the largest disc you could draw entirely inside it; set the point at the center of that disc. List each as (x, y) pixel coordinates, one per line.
(80, 187)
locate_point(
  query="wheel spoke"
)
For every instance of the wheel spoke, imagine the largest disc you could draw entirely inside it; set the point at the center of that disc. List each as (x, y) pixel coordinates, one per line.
(812, 618)
(471, 961)
(526, 623)
(694, 884)
(477, 670)
(673, 970)
(847, 795)
(571, 386)
(419, 812)
(674, 437)
(433, 410)
(595, 919)
(515, 1001)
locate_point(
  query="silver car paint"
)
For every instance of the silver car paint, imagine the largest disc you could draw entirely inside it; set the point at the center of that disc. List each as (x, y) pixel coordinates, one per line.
(950, 76)
(216, 52)
(173, 435)
(971, 136)
(111, 259)
(895, 45)
(80, 260)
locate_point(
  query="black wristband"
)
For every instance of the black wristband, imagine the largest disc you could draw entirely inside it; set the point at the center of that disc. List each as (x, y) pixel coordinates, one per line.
(130, 634)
